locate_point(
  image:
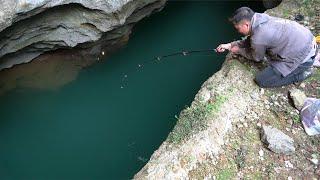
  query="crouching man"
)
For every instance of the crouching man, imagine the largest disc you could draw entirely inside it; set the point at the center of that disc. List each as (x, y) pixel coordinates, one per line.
(288, 47)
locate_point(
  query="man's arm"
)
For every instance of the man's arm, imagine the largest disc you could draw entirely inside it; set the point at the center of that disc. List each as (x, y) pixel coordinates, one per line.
(245, 43)
(241, 47)
(245, 48)
(249, 50)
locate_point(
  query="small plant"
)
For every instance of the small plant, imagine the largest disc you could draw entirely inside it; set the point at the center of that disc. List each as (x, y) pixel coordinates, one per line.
(193, 119)
(296, 119)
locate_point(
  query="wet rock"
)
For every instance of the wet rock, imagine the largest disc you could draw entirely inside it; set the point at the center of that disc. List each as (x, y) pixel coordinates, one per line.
(277, 141)
(298, 98)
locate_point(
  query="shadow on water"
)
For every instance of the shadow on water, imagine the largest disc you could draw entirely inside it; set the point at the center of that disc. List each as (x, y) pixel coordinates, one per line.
(105, 121)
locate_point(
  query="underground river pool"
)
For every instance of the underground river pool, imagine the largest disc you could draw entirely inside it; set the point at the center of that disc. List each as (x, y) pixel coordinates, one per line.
(105, 121)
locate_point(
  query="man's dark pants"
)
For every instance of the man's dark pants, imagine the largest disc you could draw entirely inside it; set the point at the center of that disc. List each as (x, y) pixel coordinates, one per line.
(271, 77)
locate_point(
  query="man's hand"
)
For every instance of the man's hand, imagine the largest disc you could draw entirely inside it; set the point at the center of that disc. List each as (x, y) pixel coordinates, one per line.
(234, 49)
(222, 47)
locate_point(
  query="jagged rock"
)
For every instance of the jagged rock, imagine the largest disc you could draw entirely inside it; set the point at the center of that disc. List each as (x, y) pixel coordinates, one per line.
(277, 141)
(29, 28)
(298, 98)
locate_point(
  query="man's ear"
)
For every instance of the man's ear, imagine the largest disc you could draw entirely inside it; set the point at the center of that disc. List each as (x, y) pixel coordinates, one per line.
(248, 24)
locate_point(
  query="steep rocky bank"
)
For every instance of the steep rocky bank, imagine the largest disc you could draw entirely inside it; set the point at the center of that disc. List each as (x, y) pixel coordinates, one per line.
(30, 28)
(218, 136)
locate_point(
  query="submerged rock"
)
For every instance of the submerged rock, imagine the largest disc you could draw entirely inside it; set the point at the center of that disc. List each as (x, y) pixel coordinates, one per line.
(29, 28)
(277, 141)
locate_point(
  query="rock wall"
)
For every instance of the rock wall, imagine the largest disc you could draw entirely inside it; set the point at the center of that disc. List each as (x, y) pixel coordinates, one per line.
(32, 27)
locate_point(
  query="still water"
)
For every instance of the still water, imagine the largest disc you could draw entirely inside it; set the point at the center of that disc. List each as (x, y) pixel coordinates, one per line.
(110, 117)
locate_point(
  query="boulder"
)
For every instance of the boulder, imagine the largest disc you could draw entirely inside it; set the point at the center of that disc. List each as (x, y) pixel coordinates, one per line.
(277, 141)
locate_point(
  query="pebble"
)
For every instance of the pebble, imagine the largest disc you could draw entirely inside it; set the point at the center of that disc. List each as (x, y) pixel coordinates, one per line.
(262, 91)
(303, 85)
(245, 125)
(315, 161)
(261, 153)
(267, 107)
(239, 125)
(289, 178)
(259, 124)
(277, 169)
(288, 164)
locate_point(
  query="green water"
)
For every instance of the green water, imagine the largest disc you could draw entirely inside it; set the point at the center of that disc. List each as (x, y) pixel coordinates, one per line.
(108, 122)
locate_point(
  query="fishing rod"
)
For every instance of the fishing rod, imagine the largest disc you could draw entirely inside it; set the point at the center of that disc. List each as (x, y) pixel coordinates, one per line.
(184, 53)
(158, 58)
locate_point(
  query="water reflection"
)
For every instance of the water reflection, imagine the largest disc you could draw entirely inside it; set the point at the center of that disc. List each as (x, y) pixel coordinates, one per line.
(53, 70)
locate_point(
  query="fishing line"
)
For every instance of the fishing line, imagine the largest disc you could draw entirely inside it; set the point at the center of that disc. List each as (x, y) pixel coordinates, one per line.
(159, 59)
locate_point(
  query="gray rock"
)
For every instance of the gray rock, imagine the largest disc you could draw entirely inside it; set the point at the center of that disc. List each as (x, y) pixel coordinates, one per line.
(277, 141)
(29, 28)
(298, 98)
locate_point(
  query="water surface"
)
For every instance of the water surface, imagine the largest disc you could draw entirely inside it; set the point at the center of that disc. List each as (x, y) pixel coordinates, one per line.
(105, 121)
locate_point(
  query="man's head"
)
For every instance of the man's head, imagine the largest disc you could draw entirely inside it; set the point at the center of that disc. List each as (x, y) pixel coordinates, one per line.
(241, 20)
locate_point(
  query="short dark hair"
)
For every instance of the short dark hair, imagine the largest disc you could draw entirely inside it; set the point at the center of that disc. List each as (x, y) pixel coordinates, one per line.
(243, 13)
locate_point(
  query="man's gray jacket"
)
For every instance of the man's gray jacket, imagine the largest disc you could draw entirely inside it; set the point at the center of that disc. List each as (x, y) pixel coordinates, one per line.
(285, 44)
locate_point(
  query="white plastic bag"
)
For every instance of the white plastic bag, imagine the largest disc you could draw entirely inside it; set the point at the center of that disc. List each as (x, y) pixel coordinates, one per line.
(310, 116)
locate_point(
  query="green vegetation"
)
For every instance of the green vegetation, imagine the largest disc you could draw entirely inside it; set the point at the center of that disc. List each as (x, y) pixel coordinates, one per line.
(225, 174)
(315, 76)
(308, 7)
(228, 172)
(296, 119)
(193, 119)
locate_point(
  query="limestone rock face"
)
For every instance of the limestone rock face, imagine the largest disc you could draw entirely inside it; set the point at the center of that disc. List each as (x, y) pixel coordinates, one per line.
(30, 27)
